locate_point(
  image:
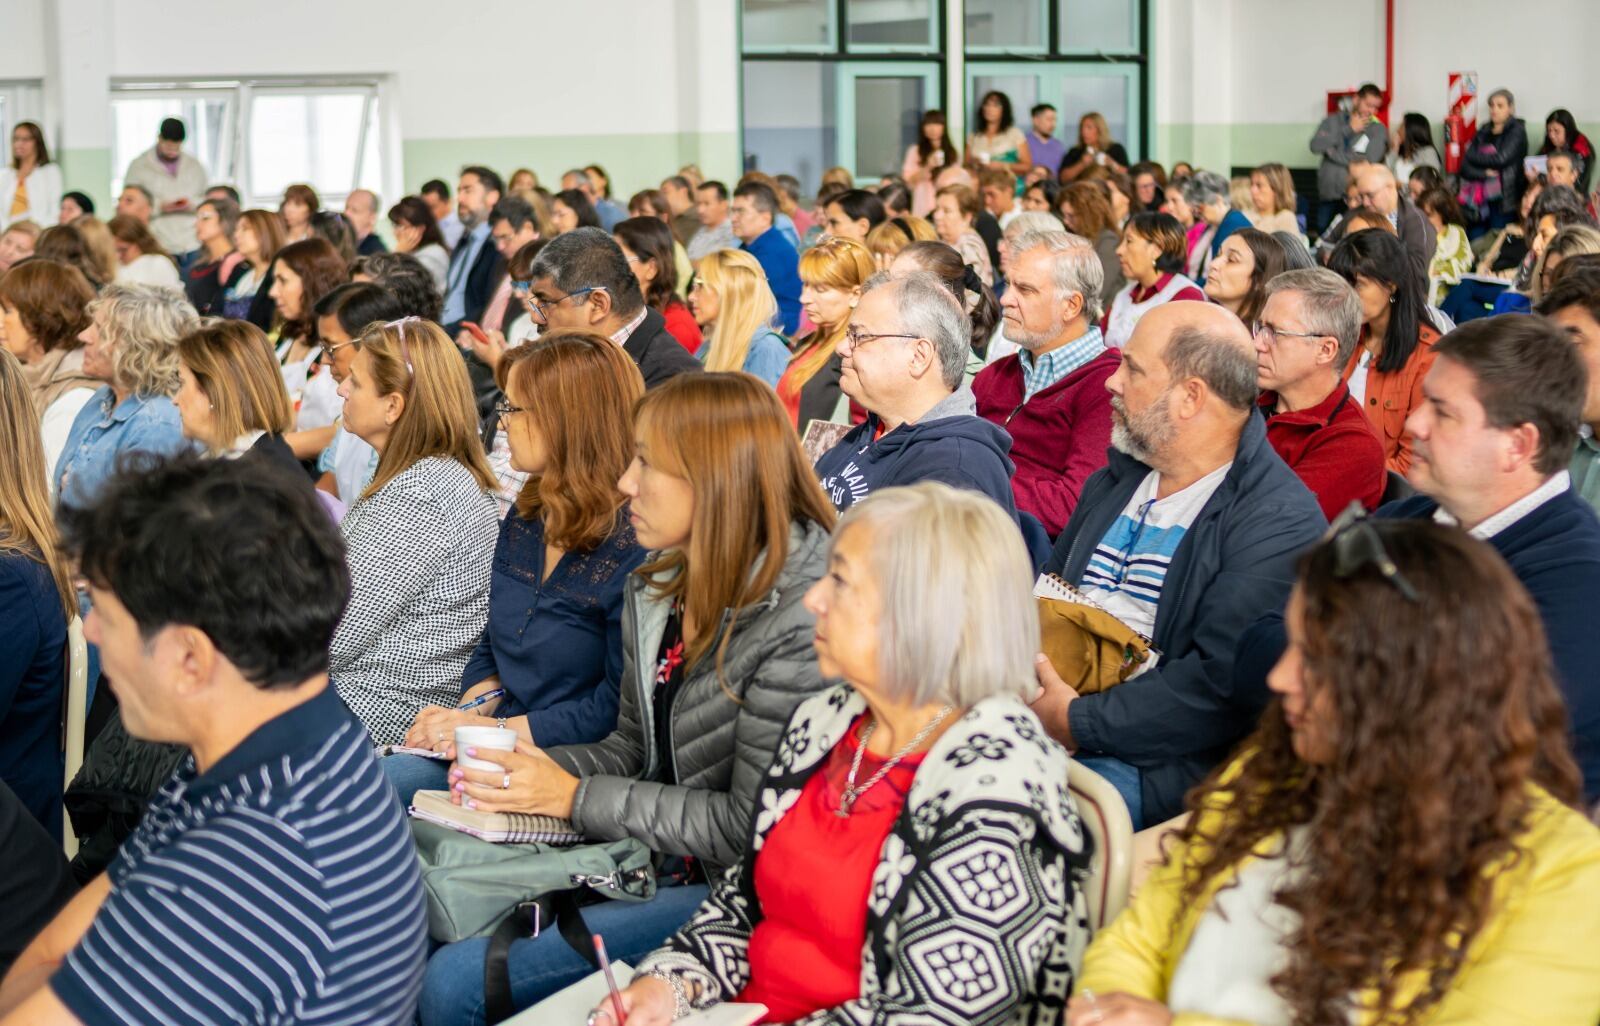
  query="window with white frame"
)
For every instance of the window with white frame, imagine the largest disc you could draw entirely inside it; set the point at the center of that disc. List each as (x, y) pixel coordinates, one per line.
(261, 136)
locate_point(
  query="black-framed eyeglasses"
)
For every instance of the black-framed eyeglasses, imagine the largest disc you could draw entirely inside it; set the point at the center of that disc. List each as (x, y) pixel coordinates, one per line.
(858, 338)
(1358, 545)
(540, 309)
(504, 409)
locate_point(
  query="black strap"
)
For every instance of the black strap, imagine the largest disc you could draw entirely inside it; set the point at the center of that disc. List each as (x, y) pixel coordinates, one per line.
(559, 908)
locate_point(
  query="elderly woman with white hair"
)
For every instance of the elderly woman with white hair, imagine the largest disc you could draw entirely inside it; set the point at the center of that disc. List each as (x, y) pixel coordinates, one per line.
(915, 855)
(131, 344)
(1207, 195)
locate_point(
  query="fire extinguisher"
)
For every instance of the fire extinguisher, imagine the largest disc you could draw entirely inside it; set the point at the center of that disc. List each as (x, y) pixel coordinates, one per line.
(1455, 131)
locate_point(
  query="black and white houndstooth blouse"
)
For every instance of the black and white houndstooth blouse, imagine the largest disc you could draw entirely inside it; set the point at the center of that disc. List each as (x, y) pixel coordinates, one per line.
(419, 551)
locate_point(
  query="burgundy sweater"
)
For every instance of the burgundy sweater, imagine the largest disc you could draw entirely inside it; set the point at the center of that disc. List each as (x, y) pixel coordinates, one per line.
(1058, 438)
(1332, 447)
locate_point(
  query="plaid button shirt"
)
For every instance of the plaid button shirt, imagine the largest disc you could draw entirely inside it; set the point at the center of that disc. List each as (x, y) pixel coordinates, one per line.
(1040, 372)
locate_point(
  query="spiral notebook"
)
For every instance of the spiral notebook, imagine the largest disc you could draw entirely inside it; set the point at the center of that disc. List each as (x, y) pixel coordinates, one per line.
(496, 827)
(572, 1006)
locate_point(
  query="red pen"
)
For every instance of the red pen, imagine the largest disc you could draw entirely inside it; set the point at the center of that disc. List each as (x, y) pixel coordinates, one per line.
(611, 981)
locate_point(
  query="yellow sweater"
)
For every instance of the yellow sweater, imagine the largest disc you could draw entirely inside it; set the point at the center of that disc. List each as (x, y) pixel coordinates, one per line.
(1536, 961)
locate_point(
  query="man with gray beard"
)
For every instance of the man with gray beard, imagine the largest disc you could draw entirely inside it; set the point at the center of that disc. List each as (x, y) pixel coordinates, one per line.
(1188, 535)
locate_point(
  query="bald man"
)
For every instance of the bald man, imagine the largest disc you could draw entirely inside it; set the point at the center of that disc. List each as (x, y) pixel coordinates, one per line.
(1188, 535)
(1378, 192)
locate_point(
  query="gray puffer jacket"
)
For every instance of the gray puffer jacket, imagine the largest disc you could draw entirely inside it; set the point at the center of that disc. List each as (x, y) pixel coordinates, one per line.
(721, 748)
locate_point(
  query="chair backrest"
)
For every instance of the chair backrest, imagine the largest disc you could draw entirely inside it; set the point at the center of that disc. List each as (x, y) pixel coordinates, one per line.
(77, 713)
(1105, 818)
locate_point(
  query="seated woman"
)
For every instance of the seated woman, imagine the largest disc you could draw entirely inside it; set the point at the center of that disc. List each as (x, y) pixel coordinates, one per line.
(43, 310)
(976, 298)
(36, 601)
(1452, 257)
(420, 537)
(416, 232)
(1238, 278)
(1151, 255)
(647, 243)
(1396, 348)
(131, 344)
(1207, 194)
(735, 309)
(955, 212)
(207, 280)
(1086, 211)
(553, 643)
(716, 655)
(853, 214)
(831, 275)
(142, 259)
(1398, 841)
(302, 273)
(889, 790)
(232, 400)
(258, 236)
(887, 240)
(1272, 194)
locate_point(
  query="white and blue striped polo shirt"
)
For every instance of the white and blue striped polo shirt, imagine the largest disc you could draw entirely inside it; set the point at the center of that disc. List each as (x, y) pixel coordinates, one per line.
(1128, 568)
(280, 886)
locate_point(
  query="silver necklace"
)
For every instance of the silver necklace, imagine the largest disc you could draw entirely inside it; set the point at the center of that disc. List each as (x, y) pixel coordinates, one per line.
(851, 793)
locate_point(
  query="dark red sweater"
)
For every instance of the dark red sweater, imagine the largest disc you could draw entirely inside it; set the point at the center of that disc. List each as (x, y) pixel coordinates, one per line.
(1332, 447)
(1058, 438)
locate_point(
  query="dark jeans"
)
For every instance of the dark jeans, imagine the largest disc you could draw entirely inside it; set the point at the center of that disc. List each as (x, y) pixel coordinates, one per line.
(1471, 300)
(1126, 779)
(1326, 211)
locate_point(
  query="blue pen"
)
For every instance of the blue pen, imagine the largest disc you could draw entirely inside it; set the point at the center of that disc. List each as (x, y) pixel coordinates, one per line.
(496, 693)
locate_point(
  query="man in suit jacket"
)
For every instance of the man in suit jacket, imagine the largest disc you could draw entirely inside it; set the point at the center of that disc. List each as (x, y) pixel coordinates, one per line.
(1380, 192)
(476, 264)
(581, 282)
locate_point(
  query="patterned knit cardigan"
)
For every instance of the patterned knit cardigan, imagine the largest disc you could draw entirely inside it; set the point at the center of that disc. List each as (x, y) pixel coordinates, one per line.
(976, 915)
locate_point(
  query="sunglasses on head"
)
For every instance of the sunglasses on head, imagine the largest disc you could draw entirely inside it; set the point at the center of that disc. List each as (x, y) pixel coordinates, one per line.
(1358, 545)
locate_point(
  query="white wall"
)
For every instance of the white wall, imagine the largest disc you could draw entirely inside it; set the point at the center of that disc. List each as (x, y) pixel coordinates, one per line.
(22, 54)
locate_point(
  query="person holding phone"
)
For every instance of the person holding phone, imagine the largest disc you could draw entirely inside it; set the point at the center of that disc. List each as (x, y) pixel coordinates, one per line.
(176, 183)
(930, 154)
(1348, 136)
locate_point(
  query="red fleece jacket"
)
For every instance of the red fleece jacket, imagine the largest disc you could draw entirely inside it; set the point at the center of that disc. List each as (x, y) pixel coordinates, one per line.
(1332, 447)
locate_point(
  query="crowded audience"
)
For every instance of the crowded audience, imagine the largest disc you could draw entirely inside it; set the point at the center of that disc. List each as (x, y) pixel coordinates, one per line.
(806, 527)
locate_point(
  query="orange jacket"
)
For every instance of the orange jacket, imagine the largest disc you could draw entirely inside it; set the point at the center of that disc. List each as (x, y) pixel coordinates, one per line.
(1392, 397)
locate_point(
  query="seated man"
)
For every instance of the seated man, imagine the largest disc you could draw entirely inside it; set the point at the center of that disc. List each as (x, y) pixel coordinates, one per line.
(1573, 304)
(1307, 331)
(1494, 434)
(1188, 535)
(581, 282)
(753, 214)
(1383, 196)
(905, 353)
(1051, 397)
(273, 879)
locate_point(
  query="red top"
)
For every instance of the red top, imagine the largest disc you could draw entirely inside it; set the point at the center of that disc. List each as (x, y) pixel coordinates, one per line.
(681, 325)
(1332, 447)
(1058, 438)
(813, 877)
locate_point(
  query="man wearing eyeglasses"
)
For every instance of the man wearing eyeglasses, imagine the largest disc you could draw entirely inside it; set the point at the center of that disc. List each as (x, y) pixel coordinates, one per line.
(904, 356)
(1306, 333)
(581, 281)
(1188, 535)
(1377, 190)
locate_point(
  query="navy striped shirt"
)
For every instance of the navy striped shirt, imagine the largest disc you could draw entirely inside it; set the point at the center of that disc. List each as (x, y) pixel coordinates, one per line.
(280, 886)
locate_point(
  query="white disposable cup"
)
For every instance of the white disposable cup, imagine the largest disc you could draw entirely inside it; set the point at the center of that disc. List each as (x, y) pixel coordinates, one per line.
(500, 738)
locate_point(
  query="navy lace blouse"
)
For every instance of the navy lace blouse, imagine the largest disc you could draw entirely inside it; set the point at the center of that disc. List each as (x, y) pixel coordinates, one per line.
(556, 646)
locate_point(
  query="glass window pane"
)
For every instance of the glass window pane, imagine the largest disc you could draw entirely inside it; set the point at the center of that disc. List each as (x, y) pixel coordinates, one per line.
(1107, 95)
(308, 138)
(1005, 24)
(896, 23)
(1023, 91)
(888, 111)
(135, 120)
(788, 24)
(371, 160)
(1094, 26)
(790, 109)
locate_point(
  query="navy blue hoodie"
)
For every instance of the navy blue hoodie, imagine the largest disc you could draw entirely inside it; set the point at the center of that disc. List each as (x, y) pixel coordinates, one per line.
(951, 443)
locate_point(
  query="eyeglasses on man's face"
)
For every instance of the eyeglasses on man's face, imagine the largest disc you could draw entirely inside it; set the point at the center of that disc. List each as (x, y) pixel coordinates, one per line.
(542, 307)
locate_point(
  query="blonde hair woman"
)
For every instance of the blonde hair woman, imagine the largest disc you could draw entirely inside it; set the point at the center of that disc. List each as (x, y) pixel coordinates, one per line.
(420, 539)
(831, 276)
(889, 238)
(735, 308)
(36, 601)
(232, 399)
(717, 654)
(131, 344)
(1272, 195)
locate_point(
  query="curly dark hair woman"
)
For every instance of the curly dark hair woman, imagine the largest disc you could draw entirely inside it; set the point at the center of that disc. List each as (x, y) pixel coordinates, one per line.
(1397, 839)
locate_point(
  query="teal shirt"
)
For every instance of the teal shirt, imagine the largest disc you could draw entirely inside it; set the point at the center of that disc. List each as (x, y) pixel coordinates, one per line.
(1585, 469)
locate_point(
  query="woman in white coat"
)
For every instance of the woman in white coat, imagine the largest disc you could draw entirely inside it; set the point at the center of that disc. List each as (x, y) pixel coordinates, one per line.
(30, 187)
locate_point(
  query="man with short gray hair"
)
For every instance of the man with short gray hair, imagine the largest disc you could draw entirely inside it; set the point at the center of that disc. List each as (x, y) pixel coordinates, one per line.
(361, 210)
(904, 357)
(1307, 332)
(1188, 536)
(1051, 397)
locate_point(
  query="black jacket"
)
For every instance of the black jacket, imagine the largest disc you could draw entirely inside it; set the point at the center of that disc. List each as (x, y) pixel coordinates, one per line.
(820, 395)
(1236, 563)
(482, 277)
(658, 354)
(1489, 153)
